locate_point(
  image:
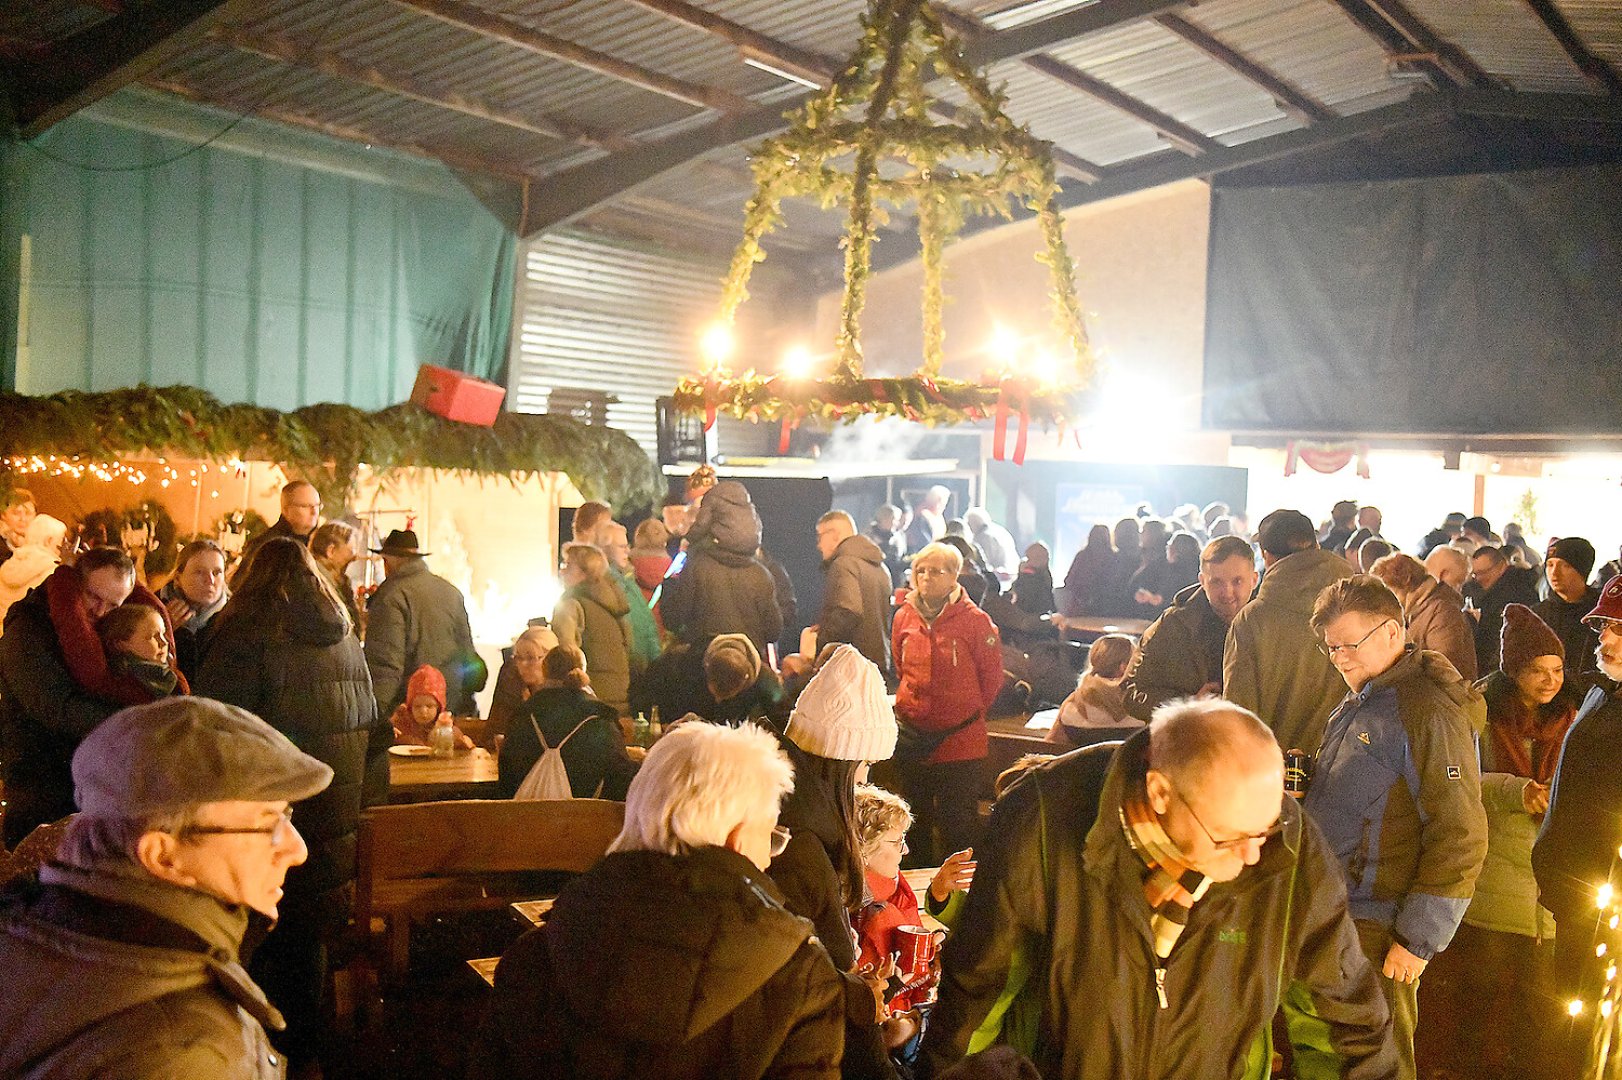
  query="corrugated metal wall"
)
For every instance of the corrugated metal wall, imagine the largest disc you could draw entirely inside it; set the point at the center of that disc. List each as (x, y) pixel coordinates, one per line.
(608, 316)
(135, 257)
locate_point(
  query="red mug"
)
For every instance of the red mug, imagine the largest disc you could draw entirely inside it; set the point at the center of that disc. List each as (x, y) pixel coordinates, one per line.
(915, 951)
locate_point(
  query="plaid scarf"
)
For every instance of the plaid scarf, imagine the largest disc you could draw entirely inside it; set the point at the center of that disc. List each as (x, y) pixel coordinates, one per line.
(1169, 884)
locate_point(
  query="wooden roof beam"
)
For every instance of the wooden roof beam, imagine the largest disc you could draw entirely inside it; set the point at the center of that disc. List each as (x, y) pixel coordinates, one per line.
(826, 67)
(1290, 98)
(569, 193)
(302, 54)
(511, 32)
(456, 159)
(77, 71)
(1601, 75)
(1403, 35)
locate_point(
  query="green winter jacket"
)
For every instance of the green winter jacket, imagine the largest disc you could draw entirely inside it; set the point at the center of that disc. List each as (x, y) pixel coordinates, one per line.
(1058, 880)
(1272, 665)
(1506, 896)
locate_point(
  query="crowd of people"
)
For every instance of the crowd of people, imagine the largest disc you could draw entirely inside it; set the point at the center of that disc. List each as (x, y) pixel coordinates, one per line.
(1339, 809)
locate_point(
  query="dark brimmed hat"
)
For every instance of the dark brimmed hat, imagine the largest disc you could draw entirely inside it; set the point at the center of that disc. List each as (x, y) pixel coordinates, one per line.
(181, 752)
(400, 542)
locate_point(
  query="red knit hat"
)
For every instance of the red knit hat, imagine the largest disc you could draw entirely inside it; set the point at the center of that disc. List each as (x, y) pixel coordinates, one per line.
(1526, 637)
(426, 680)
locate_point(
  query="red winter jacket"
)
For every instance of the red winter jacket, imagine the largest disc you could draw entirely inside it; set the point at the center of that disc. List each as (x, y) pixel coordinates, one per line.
(950, 669)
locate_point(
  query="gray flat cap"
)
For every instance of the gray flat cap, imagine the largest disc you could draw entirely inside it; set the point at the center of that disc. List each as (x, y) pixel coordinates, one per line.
(184, 751)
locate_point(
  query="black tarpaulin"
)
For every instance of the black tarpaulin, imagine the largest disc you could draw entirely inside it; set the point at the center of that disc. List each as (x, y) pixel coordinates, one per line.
(1463, 304)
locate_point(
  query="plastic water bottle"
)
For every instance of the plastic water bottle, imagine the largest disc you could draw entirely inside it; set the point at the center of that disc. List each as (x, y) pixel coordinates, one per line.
(442, 740)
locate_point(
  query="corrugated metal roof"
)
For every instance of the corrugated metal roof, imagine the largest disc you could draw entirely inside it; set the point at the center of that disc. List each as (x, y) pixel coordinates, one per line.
(1597, 23)
(1310, 44)
(1506, 39)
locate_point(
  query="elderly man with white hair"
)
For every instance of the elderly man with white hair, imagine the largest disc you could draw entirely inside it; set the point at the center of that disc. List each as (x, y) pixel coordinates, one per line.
(674, 956)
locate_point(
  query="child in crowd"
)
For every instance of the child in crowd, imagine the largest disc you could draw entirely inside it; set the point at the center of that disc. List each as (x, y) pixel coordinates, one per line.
(415, 718)
(882, 821)
(1099, 703)
(137, 645)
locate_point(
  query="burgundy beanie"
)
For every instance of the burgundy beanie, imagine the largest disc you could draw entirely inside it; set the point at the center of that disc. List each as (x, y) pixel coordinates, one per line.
(1526, 637)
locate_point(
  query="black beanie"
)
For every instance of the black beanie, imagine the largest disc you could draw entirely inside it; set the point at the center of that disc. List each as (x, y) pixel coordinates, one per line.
(1576, 551)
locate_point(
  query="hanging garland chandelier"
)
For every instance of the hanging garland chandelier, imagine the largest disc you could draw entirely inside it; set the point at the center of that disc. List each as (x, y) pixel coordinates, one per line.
(871, 142)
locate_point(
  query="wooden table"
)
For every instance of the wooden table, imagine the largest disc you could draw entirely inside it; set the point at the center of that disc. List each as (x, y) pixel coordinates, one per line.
(465, 775)
(485, 968)
(533, 912)
(1090, 628)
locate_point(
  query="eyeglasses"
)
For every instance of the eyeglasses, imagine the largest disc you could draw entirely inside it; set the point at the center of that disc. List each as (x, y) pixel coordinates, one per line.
(780, 839)
(1330, 650)
(899, 843)
(277, 830)
(1236, 842)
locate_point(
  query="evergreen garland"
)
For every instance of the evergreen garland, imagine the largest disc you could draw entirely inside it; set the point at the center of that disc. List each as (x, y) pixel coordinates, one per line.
(870, 141)
(326, 443)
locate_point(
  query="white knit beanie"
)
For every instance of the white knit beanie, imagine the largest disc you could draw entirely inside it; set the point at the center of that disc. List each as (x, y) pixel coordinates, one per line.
(843, 713)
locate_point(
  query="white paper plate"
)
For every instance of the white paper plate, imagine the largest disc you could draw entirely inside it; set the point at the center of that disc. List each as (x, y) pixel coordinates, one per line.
(410, 751)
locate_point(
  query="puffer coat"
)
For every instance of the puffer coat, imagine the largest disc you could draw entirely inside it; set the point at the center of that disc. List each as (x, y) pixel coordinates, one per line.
(723, 588)
(301, 670)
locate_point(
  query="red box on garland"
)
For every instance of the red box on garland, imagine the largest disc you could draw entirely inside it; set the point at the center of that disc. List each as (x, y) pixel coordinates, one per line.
(458, 397)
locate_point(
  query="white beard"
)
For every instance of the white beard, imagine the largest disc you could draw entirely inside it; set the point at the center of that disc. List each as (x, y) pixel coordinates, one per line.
(1611, 670)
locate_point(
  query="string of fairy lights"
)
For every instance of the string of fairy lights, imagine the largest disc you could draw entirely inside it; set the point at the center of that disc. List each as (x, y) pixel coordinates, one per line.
(135, 472)
(1605, 1050)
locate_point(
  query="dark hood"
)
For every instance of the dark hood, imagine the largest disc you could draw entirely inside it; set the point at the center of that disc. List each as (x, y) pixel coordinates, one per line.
(1295, 581)
(726, 520)
(859, 547)
(657, 948)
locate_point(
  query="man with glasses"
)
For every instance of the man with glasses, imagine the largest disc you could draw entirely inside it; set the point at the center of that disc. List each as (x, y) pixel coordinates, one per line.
(123, 958)
(1140, 909)
(1396, 790)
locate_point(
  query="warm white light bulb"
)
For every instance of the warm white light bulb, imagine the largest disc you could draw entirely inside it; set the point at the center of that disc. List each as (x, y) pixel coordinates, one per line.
(797, 363)
(717, 344)
(1603, 897)
(1574, 1007)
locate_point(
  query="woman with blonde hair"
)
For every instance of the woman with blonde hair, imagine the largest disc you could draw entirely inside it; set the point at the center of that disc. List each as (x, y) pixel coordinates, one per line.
(591, 616)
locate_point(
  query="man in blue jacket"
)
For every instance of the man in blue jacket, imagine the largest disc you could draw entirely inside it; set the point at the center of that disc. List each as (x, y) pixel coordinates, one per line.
(1397, 790)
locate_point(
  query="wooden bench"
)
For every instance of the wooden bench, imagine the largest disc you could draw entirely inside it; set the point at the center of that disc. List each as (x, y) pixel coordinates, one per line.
(431, 858)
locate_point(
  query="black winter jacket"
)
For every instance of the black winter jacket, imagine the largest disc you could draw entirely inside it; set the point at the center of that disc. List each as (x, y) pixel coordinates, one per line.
(811, 889)
(1583, 827)
(303, 673)
(1178, 654)
(1577, 637)
(1518, 585)
(1058, 881)
(651, 965)
(593, 755)
(722, 592)
(44, 714)
(856, 600)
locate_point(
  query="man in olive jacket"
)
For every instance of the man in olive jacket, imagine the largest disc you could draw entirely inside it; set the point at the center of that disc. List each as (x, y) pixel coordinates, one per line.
(1271, 664)
(1396, 790)
(1180, 654)
(1153, 903)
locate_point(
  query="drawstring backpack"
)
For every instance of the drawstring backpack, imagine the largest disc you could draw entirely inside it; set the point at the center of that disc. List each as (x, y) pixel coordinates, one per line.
(548, 778)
